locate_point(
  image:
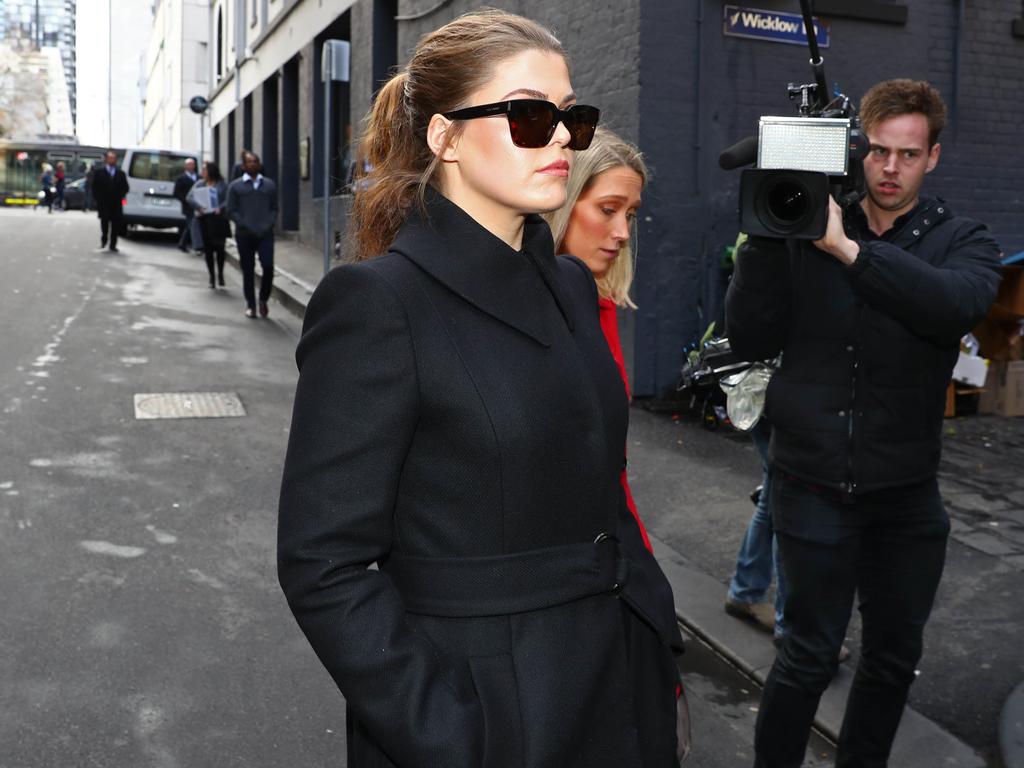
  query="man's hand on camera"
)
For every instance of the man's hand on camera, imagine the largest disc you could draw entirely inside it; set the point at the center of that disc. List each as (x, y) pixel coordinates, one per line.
(835, 241)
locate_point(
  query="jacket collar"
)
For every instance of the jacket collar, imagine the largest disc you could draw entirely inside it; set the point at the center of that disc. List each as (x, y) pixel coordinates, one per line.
(452, 247)
(911, 226)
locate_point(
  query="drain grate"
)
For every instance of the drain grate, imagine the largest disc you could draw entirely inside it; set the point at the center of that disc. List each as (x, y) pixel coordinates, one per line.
(188, 405)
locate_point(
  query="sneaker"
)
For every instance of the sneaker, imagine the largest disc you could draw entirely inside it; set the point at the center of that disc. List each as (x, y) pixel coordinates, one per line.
(250, 312)
(264, 310)
(220, 279)
(761, 614)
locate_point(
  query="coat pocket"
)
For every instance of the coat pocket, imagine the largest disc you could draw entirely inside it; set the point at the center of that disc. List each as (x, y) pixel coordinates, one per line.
(494, 678)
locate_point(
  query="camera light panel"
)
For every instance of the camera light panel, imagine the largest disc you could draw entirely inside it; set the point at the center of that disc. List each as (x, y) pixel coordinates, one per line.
(804, 144)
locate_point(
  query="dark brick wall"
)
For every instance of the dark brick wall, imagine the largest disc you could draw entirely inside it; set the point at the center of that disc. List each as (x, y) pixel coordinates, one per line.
(726, 83)
(667, 78)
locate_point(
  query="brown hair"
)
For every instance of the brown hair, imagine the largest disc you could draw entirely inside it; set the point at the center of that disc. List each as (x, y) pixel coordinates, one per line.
(607, 151)
(892, 98)
(446, 67)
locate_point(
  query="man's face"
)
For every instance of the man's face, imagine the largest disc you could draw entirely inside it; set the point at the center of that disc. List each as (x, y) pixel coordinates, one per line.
(251, 165)
(190, 165)
(899, 158)
(111, 158)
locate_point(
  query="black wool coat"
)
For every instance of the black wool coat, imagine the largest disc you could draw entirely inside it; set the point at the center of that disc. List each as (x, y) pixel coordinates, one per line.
(459, 421)
(867, 350)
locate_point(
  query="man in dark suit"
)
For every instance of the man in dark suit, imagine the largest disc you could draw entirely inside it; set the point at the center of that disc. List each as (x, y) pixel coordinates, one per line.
(182, 186)
(109, 186)
(252, 206)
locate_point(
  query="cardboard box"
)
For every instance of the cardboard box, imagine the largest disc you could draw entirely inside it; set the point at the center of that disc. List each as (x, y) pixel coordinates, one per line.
(1011, 291)
(1005, 389)
(970, 370)
(999, 337)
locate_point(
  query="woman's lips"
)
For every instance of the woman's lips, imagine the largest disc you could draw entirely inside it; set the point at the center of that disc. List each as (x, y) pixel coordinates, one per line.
(557, 168)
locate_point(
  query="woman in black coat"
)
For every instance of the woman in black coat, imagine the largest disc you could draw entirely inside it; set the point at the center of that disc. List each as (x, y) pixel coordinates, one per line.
(460, 423)
(207, 197)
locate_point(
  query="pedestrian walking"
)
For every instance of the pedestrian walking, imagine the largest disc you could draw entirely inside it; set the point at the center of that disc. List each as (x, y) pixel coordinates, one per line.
(46, 185)
(182, 186)
(869, 320)
(207, 198)
(596, 225)
(109, 186)
(88, 203)
(252, 206)
(59, 179)
(459, 423)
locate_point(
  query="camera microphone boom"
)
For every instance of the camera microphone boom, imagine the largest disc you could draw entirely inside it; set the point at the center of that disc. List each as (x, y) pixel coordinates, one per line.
(743, 152)
(800, 161)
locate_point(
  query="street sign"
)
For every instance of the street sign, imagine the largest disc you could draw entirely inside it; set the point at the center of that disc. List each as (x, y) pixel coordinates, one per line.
(334, 61)
(198, 104)
(772, 26)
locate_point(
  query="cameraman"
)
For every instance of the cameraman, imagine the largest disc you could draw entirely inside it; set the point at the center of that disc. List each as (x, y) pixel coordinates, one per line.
(869, 320)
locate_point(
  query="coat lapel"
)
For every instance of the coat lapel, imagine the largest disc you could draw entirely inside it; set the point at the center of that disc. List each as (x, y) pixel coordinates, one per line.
(482, 269)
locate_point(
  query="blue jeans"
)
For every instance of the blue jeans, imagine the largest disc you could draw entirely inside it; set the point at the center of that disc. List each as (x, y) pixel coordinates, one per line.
(758, 557)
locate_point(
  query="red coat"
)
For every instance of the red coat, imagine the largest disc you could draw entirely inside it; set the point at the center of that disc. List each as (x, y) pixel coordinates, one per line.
(610, 327)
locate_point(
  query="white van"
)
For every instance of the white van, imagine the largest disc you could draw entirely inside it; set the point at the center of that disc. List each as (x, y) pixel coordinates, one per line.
(150, 201)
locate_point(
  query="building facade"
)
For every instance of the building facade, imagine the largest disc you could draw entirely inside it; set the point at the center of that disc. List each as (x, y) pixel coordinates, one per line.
(112, 42)
(176, 69)
(669, 76)
(32, 25)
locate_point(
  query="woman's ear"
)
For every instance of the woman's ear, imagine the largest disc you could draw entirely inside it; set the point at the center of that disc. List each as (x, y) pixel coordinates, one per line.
(437, 139)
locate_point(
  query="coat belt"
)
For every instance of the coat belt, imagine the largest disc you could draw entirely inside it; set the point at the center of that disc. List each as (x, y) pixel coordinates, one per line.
(499, 585)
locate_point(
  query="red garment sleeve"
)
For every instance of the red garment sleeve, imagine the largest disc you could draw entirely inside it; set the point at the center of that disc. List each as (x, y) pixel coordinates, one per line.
(610, 328)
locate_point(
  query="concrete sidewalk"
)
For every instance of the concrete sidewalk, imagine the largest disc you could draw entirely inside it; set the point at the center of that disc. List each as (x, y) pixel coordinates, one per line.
(920, 743)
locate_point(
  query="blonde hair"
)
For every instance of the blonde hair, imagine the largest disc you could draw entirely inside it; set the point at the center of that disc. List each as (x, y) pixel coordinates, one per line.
(447, 66)
(607, 151)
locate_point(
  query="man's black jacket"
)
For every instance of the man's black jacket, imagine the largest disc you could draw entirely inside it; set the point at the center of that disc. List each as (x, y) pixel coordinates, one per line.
(182, 186)
(868, 350)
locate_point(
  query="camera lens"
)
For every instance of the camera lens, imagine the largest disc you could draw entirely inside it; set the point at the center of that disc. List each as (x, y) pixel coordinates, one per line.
(787, 201)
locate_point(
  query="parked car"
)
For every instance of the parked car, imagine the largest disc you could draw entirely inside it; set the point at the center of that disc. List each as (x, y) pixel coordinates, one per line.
(150, 201)
(74, 196)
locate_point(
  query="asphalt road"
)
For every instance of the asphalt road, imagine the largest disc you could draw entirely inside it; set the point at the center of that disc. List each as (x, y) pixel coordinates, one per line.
(140, 618)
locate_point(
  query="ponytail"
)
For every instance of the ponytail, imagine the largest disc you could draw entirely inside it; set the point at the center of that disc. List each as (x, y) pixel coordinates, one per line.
(396, 163)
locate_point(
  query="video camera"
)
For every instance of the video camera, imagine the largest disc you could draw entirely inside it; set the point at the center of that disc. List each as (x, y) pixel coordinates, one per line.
(801, 160)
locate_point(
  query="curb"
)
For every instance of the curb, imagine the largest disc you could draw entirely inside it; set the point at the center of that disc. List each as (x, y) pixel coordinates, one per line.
(699, 607)
(1011, 729)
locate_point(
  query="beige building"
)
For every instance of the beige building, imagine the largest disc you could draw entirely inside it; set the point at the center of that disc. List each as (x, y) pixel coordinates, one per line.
(176, 69)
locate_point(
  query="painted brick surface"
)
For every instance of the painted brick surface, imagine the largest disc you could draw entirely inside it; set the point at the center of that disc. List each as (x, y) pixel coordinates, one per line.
(667, 78)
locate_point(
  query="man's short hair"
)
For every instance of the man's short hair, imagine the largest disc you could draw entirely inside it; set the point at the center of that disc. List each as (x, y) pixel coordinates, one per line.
(892, 98)
(251, 154)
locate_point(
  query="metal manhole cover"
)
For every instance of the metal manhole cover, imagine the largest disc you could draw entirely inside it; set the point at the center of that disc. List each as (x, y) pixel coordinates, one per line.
(188, 405)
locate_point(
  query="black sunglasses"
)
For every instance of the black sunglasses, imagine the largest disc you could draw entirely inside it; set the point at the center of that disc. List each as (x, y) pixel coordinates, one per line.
(532, 122)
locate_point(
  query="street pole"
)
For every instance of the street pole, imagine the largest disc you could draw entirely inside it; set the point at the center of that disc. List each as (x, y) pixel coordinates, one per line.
(110, 76)
(334, 59)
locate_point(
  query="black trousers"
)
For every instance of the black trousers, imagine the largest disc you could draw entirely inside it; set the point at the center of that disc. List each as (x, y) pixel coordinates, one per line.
(248, 247)
(111, 223)
(889, 549)
(185, 238)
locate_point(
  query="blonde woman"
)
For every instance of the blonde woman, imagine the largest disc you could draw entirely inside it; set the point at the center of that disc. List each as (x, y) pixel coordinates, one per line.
(459, 423)
(596, 225)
